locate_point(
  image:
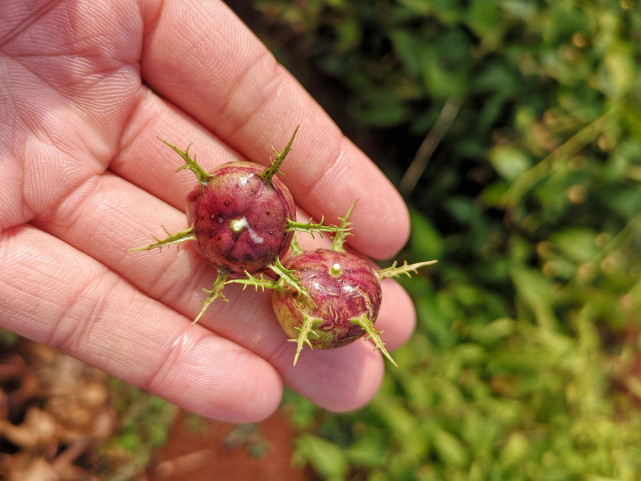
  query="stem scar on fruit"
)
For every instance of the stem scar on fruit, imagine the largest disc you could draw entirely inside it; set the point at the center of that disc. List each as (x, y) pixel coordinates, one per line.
(241, 219)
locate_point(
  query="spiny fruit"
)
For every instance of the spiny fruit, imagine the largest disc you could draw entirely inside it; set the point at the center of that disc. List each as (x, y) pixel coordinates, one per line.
(341, 296)
(241, 219)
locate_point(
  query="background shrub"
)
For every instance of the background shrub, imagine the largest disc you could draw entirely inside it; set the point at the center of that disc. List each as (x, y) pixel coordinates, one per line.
(521, 123)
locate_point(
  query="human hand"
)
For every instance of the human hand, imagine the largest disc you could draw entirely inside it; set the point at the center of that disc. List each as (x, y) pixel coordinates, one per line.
(86, 89)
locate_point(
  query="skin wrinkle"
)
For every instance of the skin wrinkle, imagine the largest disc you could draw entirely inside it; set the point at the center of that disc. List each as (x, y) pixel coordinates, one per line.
(334, 165)
(150, 12)
(26, 211)
(124, 145)
(23, 289)
(33, 263)
(126, 113)
(91, 316)
(236, 88)
(174, 290)
(257, 311)
(48, 220)
(65, 221)
(18, 290)
(125, 125)
(160, 375)
(184, 346)
(66, 97)
(53, 221)
(267, 91)
(30, 20)
(283, 354)
(149, 108)
(186, 342)
(172, 293)
(19, 116)
(55, 327)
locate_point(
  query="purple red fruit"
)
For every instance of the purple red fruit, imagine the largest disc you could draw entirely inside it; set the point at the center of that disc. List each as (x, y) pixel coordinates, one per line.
(336, 300)
(341, 287)
(239, 218)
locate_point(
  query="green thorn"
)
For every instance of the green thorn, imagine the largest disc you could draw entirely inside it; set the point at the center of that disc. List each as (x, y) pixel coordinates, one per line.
(216, 292)
(341, 235)
(279, 157)
(191, 164)
(407, 269)
(182, 236)
(306, 328)
(312, 228)
(373, 334)
(257, 283)
(294, 247)
(286, 277)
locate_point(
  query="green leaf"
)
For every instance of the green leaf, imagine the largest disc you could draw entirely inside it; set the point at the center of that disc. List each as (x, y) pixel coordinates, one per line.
(394, 416)
(484, 17)
(382, 109)
(621, 67)
(408, 48)
(578, 244)
(450, 448)
(494, 194)
(535, 291)
(426, 241)
(515, 450)
(369, 451)
(522, 9)
(328, 459)
(509, 161)
(441, 82)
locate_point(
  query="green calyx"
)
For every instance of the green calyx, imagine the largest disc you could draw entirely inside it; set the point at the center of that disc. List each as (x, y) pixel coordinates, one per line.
(294, 247)
(305, 330)
(407, 269)
(178, 238)
(216, 292)
(314, 228)
(258, 283)
(343, 232)
(279, 157)
(190, 163)
(373, 334)
(286, 278)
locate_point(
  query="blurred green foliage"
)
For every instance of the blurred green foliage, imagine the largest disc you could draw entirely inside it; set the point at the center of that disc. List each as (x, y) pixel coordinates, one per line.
(526, 361)
(144, 422)
(8, 338)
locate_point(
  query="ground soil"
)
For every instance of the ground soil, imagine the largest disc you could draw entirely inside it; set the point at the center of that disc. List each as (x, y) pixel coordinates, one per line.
(57, 414)
(216, 450)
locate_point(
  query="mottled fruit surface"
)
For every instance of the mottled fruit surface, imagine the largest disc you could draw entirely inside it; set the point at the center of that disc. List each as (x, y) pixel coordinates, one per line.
(239, 219)
(343, 288)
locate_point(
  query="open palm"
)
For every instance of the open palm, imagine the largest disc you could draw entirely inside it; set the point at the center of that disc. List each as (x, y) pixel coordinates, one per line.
(85, 90)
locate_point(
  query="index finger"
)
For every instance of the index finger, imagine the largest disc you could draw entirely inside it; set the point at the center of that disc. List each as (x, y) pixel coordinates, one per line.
(202, 58)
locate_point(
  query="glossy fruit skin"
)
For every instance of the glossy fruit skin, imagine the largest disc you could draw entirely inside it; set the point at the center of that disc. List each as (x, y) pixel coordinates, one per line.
(338, 297)
(239, 219)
